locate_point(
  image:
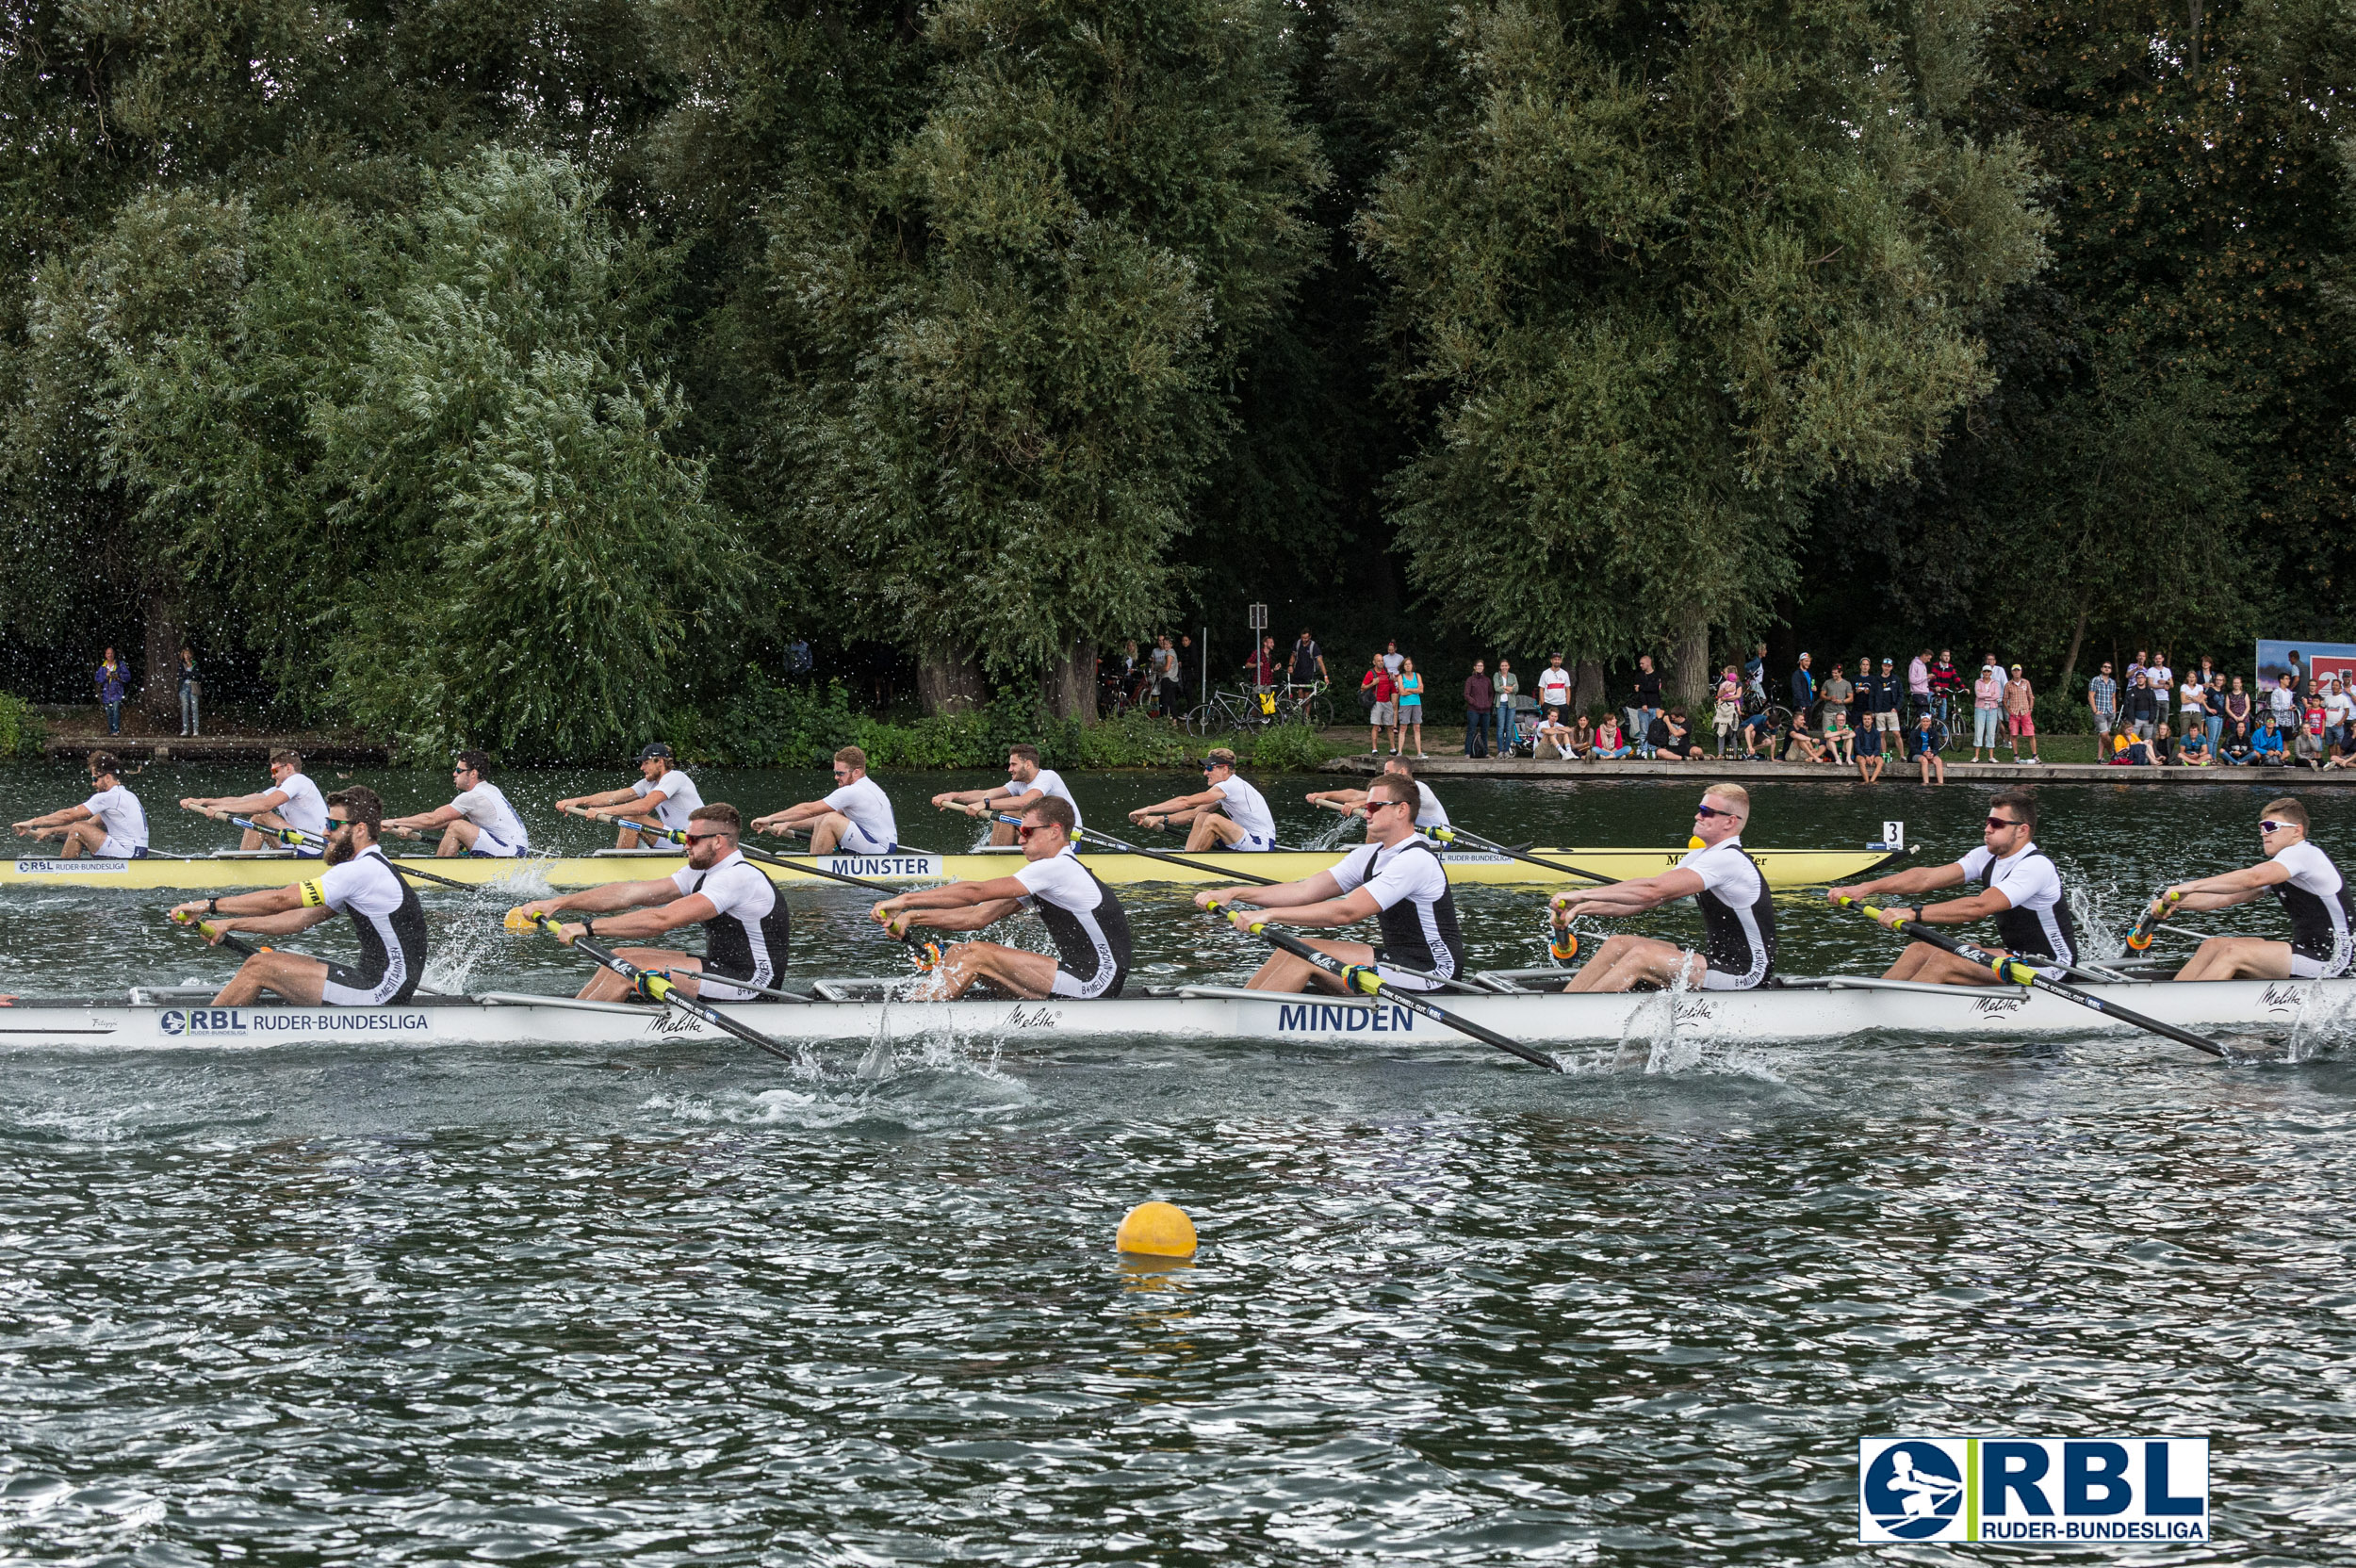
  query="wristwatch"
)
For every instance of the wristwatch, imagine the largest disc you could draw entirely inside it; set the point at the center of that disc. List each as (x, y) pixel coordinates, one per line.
(212, 905)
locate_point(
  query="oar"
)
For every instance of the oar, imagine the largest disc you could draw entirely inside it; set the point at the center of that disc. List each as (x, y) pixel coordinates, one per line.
(660, 988)
(296, 838)
(2020, 973)
(1223, 873)
(2139, 934)
(1450, 835)
(1362, 977)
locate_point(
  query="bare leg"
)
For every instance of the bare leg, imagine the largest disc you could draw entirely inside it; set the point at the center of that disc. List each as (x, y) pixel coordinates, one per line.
(302, 980)
(457, 839)
(1028, 975)
(1625, 960)
(827, 832)
(1283, 972)
(1936, 966)
(606, 986)
(84, 837)
(1211, 829)
(2239, 959)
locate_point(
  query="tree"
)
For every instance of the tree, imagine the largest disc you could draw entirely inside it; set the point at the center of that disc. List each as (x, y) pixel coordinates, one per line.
(1019, 334)
(1667, 274)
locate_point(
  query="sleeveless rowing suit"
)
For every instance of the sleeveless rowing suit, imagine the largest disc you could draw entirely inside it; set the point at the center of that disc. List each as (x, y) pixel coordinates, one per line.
(745, 937)
(1089, 929)
(1417, 913)
(389, 922)
(2039, 924)
(2317, 900)
(1738, 917)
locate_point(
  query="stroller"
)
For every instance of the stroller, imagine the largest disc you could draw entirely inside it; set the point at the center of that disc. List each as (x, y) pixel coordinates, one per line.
(1522, 739)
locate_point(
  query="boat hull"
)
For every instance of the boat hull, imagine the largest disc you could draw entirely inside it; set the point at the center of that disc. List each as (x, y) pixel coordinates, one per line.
(1785, 868)
(1553, 1022)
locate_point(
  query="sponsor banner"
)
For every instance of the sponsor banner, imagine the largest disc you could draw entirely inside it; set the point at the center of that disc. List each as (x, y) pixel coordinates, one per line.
(2058, 1491)
(63, 867)
(2318, 660)
(910, 867)
(1344, 1018)
(223, 1023)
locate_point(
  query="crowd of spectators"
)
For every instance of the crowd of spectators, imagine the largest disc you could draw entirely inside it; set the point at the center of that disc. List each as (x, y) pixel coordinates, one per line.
(2148, 718)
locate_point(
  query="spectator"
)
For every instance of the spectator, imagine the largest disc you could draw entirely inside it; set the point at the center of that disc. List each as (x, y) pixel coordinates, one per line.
(2235, 710)
(1755, 672)
(798, 661)
(1803, 746)
(1837, 693)
(110, 680)
(2342, 754)
(1610, 743)
(1669, 737)
(1554, 689)
(1392, 658)
(1881, 696)
(1927, 738)
(191, 688)
(1188, 655)
(1728, 711)
(2163, 684)
(1505, 686)
(2137, 665)
(2192, 706)
(1583, 737)
(2265, 746)
(1759, 735)
(1872, 752)
(1645, 704)
(2139, 712)
(1161, 670)
(2193, 750)
(1841, 741)
(1379, 692)
(2103, 696)
(1919, 682)
(1411, 707)
(1553, 732)
(2021, 714)
(2129, 750)
(1480, 709)
(1264, 666)
(2339, 711)
(1946, 685)
(1307, 666)
(2214, 684)
(1988, 709)
(2283, 700)
(1803, 689)
(2307, 740)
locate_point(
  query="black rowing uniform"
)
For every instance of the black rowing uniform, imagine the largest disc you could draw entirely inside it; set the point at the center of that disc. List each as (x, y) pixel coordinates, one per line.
(2039, 924)
(745, 938)
(1738, 918)
(1086, 923)
(389, 922)
(1415, 912)
(2317, 900)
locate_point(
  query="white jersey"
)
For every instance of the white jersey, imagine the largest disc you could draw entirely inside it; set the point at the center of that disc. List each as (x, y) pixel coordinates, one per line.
(1554, 686)
(1428, 811)
(1085, 921)
(2316, 899)
(305, 809)
(680, 798)
(1048, 781)
(124, 819)
(1247, 807)
(1738, 917)
(485, 806)
(1415, 909)
(389, 923)
(2039, 921)
(745, 939)
(863, 801)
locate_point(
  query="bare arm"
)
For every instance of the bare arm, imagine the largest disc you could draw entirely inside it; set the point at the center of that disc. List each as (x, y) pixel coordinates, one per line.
(62, 818)
(612, 897)
(269, 800)
(1621, 899)
(441, 816)
(692, 911)
(972, 917)
(2223, 893)
(269, 901)
(793, 816)
(1351, 908)
(1177, 802)
(948, 798)
(1919, 880)
(284, 925)
(611, 797)
(1284, 895)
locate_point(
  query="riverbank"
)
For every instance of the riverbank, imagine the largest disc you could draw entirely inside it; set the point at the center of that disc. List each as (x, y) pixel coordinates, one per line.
(1906, 774)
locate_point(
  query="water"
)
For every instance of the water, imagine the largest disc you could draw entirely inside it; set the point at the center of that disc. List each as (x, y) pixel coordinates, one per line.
(684, 1304)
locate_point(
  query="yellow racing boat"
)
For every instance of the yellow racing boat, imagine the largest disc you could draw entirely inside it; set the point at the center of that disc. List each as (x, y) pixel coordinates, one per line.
(1785, 868)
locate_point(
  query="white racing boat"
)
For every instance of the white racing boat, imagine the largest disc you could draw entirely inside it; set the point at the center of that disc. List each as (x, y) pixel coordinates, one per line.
(866, 1012)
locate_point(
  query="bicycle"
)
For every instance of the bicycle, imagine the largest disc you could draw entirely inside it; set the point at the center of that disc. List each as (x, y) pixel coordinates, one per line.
(1227, 713)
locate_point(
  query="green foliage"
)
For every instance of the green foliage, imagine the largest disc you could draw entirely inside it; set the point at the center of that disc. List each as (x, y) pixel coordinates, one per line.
(802, 726)
(22, 732)
(1666, 279)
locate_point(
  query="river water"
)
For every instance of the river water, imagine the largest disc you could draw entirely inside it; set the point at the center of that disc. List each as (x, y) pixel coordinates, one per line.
(680, 1304)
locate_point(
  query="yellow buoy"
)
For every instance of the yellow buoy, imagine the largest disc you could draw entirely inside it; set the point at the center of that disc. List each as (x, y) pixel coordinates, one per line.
(1156, 1231)
(1694, 842)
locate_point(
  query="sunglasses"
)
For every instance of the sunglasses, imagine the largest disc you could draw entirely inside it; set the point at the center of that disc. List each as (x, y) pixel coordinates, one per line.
(2001, 821)
(1023, 831)
(2269, 826)
(1711, 811)
(1378, 805)
(699, 838)
(842, 772)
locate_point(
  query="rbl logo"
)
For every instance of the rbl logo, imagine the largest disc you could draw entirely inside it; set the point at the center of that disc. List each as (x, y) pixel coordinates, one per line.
(2037, 1488)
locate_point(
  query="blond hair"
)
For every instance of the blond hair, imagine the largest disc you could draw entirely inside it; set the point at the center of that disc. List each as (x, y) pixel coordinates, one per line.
(2289, 810)
(1734, 795)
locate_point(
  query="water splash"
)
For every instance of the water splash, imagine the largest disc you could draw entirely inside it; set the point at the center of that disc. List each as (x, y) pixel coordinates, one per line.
(1345, 830)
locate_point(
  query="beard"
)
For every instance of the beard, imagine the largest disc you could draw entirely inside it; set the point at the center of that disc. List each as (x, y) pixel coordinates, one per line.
(340, 848)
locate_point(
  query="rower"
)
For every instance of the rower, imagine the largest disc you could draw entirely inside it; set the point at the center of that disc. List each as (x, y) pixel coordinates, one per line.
(111, 825)
(479, 822)
(743, 919)
(2024, 895)
(855, 818)
(1085, 921)
(2312, 893)
(1738, 952)
(1028, 785)
(291, 802)
(1395, 879)
(1428, 811)
(663, 796)
(358, 882)
(1229, 814)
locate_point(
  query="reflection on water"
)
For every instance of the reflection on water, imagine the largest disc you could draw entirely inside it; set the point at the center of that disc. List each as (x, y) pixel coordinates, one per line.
(683, 1303)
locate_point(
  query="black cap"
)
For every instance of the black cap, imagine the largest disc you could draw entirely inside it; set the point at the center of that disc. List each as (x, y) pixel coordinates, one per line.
(654, 750)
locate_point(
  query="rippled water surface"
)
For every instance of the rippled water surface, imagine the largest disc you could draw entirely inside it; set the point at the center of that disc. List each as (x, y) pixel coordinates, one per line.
(683, 1305)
